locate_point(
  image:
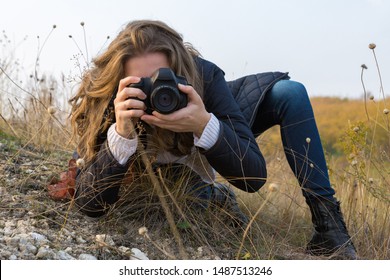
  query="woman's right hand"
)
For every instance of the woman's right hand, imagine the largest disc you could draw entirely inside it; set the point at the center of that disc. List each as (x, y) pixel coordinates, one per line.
(127, 108)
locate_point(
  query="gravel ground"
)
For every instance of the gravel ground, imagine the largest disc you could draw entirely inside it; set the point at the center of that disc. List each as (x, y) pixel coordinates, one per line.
(33, 226)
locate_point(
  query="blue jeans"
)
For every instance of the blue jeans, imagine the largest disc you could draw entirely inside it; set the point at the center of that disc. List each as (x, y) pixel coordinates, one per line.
(287, 104)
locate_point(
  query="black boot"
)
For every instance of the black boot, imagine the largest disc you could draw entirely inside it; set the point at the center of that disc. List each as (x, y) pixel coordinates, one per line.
(330, 232)
(222, 196)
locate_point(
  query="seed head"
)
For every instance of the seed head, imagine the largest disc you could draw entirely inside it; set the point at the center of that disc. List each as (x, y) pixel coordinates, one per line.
(308, 140)
(54, 26)
(82, 23)
(372, 46)
(51, 110)
(370, 180)
(142, 231)
(273, 187)
(80, 163)
(70, 36)
(364, 66)
(311, 165)
(356, 128)
(371, 97)
(386, 111)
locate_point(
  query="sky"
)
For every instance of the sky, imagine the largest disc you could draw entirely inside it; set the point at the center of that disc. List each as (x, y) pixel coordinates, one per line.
(321, 43)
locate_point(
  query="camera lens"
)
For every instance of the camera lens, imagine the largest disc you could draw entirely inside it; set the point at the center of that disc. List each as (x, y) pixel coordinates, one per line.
(165, 99)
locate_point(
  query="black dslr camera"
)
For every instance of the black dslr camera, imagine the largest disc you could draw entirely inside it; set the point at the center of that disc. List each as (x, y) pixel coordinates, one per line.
(162, 92)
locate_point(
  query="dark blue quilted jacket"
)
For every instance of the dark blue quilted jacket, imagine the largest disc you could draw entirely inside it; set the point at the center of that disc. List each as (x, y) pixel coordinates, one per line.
(235, 155)
(249, 91)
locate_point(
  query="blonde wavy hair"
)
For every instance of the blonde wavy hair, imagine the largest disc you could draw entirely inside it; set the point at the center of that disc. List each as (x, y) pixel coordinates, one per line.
(89, 117)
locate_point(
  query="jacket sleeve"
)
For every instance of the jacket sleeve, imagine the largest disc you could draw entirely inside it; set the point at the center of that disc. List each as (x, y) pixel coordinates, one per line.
(97, 186)
(236, 155)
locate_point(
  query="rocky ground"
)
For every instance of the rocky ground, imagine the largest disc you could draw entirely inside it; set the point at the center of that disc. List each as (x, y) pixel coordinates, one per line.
(34, 226)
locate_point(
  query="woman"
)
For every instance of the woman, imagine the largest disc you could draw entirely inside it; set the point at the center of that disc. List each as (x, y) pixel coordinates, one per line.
(216, 129)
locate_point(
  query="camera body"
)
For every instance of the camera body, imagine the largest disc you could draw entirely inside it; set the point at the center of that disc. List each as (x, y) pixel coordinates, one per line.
(162, 92)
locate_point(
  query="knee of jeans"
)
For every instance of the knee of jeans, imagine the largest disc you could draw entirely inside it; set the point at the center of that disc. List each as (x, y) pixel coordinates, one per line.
(290, 95)
(288, 87)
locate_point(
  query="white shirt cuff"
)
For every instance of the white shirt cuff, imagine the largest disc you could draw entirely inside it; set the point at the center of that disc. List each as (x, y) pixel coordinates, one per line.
(210, 134)
(121, 148)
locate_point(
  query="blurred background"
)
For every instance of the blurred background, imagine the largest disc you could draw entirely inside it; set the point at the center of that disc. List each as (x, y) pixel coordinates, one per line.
(321, 43)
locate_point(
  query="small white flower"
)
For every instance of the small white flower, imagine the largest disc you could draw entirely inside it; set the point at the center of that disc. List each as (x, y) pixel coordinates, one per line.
(354, 162)
(371, 180)
(386, 111)
(308, 140)
(80, 163)
(356, 128)
(311, 165)
(273, 187)
(51, 110)
(142, 230)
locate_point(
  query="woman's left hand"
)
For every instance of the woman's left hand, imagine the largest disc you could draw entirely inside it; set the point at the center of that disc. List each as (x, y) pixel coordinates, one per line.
(192, 118)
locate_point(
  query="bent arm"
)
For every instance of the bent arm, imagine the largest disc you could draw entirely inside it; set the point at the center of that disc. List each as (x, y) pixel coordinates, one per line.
(97, 186)
(235, 155)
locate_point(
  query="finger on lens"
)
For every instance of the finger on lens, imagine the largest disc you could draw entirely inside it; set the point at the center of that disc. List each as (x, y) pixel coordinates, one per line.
(127, 81)
(189, 90)
(133, 103)
(134, 92)
(132, 114)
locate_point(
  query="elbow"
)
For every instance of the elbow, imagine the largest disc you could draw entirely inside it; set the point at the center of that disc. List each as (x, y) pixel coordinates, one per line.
(257, 181)
(90, 205)
(255, 185)
(252, 183)
(92, 213)
(89, 209)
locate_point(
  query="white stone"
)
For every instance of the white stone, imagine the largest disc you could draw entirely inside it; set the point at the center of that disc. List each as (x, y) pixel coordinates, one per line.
(87, 257)
(45, 253)
(137, 254)
(62, 255)
(39, 238)
(104, 239)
